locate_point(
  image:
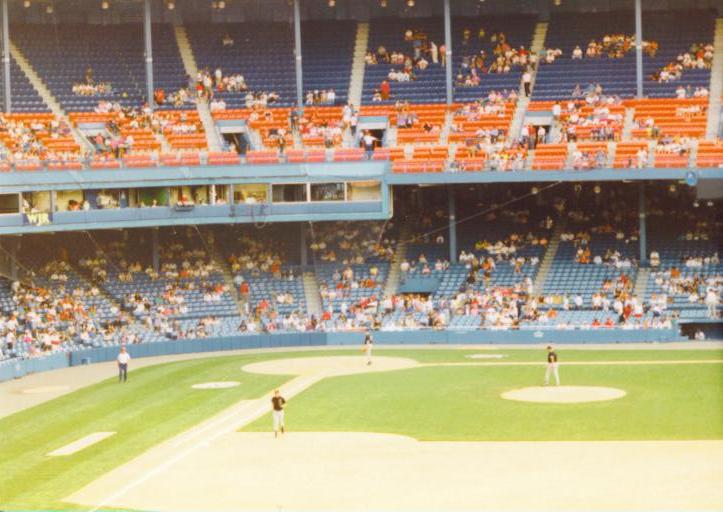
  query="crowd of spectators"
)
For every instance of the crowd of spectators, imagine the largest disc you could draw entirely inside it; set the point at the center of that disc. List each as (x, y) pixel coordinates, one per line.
(320, 97)
(94, 89)
(614, 46)
(698, 56)
(27, 140)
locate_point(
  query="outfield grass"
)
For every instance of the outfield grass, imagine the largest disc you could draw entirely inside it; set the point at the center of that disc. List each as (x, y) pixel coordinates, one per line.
(428, 403)
(663, 402)
(155, 404)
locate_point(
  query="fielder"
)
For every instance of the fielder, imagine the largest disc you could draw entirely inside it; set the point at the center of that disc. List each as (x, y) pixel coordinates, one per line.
(551, 367)
(368, 344)
(278, 402)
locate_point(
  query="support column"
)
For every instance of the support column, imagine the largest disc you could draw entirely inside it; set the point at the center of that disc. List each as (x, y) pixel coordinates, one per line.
(452, 225)
(155, 249)
(448, 52)
(6, 57)
(149, 52)
(642, 228)
(639, 48)
(302, 246)
(297, 56)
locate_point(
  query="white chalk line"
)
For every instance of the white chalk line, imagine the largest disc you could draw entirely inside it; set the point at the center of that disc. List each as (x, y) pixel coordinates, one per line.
(258, 407)
(80, 444)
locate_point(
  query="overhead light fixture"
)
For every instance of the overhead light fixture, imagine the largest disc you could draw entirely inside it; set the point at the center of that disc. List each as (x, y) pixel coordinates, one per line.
(171, 6)
(49, 9)
(105, 5)
(696, 204)
(332, 3)
(26, 3)
(410, 3)
(221, 4)
(383, 3)
(557, 3)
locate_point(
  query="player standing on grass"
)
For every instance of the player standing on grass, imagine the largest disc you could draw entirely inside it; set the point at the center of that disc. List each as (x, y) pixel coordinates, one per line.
(368, 344)
(123, 359)
(551, 366)
(278, 403)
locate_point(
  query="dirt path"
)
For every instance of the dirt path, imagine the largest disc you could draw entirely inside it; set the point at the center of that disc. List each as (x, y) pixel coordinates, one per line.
(357, 471)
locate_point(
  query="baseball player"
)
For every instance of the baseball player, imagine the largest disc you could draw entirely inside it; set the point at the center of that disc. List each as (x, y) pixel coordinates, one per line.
(551, 366)
(368, 344)
(278, 403)
(123, 358)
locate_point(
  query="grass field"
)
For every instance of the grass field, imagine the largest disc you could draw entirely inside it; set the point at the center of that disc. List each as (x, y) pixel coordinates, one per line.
(463, 404)
(429, 403)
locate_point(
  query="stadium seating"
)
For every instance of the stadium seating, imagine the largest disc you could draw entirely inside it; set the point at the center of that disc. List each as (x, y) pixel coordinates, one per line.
(518, 31)
(25, 97)
(267, 57)
(62, 56)
(674, 32)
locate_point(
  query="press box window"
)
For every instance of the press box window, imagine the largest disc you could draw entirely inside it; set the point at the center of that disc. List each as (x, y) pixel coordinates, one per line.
(327, 192)
(251, 193)
(364, 191)
(289, 193)
(9, 203)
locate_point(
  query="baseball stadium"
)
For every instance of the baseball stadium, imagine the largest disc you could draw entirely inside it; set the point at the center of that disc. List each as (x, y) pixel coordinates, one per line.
(361, 255)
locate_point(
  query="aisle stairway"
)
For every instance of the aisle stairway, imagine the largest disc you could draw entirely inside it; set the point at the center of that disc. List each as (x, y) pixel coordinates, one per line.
(641, 282)
(519, 118)
(448, 121)
(356, 84)
(233, 291)
(538, 44)
(391, 287)
(45, 93)
(213, 138)
(628, 124)
(550, 253)
(716, 84)
(311, 293)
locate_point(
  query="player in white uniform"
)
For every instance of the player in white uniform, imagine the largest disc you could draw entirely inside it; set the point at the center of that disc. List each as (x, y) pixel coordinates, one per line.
(551, 367)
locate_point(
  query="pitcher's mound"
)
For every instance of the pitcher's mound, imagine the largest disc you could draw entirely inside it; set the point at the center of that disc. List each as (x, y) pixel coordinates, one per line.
(563, 394)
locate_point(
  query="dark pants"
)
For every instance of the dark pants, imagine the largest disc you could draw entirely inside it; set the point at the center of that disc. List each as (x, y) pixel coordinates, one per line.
(122, 372)
(527, 88)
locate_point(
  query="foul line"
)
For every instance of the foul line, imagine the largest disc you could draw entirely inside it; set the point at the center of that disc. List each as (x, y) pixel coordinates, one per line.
(257, 407)
(577, 363)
